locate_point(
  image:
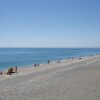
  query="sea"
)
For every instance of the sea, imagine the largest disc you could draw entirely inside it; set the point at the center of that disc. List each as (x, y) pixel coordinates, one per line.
(29, 56)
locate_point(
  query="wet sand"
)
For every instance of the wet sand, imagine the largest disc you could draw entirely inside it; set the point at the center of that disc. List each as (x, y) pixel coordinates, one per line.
(75, 79)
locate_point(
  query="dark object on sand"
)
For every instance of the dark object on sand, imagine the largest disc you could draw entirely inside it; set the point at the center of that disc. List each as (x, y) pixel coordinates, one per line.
(35, 65)
(0, 72)
(58, 61)
(48, 62)
(80, 58)
(12, 70)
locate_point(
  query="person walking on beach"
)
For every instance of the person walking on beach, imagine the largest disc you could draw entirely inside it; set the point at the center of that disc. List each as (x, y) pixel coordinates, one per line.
(48, 62)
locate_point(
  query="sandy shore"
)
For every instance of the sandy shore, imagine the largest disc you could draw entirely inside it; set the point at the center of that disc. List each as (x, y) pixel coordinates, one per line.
(76, 79)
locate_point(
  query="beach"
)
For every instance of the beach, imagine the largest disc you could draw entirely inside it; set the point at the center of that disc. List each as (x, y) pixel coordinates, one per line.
(73, 79)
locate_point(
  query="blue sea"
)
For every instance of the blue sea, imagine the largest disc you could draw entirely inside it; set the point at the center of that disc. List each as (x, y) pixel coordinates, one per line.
(30, 56)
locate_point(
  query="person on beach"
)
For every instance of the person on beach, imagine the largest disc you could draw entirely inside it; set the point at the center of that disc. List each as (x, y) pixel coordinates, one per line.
(48, 62)
(0, 72)
(58, 61)
(12, 70)
(35, 65)
(15, 69)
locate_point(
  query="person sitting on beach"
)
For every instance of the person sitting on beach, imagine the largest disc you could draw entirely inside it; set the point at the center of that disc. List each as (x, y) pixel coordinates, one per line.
(12, 70)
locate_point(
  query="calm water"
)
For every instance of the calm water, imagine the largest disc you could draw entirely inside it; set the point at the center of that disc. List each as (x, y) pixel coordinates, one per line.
(28, 56)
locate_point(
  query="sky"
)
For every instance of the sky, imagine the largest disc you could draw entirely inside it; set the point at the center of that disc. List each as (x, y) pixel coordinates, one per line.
(50, 23)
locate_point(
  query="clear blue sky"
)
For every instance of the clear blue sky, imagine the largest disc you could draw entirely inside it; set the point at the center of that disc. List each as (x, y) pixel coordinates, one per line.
(49, 23)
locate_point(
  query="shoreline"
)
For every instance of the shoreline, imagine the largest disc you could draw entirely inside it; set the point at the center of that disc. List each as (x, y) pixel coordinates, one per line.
(52, 63)
(74, 79)
(5, 66)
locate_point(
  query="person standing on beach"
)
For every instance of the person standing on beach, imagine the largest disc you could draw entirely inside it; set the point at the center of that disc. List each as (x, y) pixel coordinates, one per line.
(35, 65)
(0, 72)
(16, 69)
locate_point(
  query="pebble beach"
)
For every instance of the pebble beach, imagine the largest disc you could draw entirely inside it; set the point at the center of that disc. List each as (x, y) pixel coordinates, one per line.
(74, 79)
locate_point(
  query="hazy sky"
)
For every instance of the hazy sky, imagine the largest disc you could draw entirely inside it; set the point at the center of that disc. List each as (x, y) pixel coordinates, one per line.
(49, 23)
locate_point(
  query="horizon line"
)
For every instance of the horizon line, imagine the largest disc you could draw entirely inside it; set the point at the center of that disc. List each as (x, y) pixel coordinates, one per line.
(49, 47)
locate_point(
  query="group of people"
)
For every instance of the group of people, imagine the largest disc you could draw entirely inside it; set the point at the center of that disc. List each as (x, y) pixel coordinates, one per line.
(10, 71)
(14, 69)
(35, 65)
